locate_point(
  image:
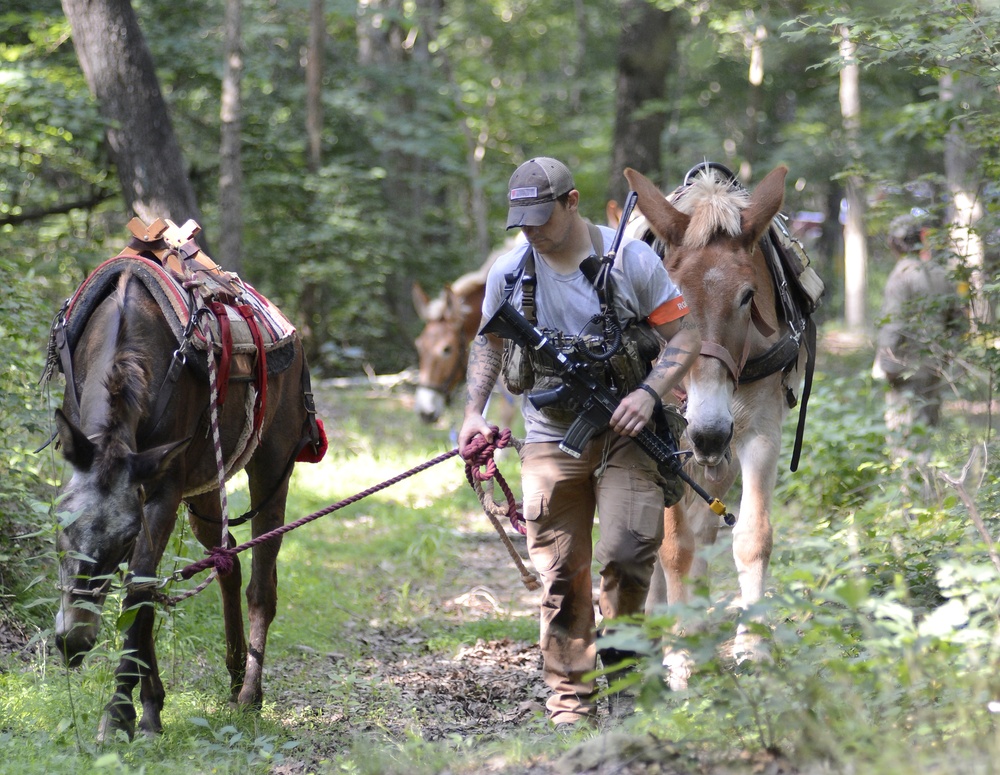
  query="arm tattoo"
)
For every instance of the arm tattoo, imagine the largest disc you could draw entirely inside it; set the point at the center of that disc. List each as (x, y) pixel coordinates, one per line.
(484, 367)
(671, 358)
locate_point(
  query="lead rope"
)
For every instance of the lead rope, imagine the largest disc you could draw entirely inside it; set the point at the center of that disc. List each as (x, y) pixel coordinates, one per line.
(481, 467)
(221, 559)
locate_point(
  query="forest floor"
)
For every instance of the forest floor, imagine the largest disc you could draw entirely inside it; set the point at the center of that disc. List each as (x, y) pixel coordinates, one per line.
(491, 692)
(483, 703)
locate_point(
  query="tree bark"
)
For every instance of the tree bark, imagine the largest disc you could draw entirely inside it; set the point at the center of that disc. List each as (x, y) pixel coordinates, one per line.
(855, 243)
(314, 85)
(230, 161)
(645, 52)
(119, 70)
(754, 42)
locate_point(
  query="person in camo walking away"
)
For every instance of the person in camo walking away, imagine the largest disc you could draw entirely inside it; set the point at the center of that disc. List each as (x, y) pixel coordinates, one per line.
(920, 318)
(613, 475)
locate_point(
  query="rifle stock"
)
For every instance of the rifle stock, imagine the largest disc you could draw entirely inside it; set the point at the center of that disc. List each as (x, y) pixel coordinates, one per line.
(597, 403)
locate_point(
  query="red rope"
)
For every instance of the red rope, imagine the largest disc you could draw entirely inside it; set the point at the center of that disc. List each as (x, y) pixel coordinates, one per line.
(481, 455)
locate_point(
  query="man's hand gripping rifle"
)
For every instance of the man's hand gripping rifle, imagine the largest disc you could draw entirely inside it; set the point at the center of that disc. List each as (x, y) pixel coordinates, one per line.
(591, 400)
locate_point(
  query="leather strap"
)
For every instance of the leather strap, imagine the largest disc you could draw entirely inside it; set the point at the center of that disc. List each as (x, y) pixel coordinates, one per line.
(226, 345)
(66, 360)
(260, 405)
(716, 350)
(806, 389)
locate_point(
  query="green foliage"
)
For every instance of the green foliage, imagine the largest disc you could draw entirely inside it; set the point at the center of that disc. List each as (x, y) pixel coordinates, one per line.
(881, 625)
(24, 424)
(408, 148)
(881, 621)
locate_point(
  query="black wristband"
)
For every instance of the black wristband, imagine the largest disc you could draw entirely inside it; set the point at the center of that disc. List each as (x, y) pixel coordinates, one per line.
(653, 393)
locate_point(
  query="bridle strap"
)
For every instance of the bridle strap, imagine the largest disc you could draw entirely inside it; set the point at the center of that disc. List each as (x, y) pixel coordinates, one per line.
(456, 374)
(716, 350)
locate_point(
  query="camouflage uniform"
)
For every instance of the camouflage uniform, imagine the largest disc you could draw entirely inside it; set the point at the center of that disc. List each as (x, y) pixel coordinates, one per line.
(920, 310)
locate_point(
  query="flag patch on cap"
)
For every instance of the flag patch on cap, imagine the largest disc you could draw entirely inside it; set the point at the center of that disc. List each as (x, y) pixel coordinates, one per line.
(529, 192)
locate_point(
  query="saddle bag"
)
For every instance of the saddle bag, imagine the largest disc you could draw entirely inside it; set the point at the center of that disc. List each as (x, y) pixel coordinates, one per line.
(803, 280)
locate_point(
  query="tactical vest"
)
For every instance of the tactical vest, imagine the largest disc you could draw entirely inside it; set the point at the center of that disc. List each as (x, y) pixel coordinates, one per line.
(621, 368)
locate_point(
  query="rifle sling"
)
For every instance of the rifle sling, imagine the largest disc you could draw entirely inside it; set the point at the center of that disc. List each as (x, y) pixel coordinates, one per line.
(525, 273)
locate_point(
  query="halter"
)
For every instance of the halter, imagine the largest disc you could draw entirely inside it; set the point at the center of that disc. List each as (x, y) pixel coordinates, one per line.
(712, 349)
(456, 374)
(784, 353)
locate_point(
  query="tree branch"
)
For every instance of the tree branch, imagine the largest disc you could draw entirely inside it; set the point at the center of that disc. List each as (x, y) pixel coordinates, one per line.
(38, 213)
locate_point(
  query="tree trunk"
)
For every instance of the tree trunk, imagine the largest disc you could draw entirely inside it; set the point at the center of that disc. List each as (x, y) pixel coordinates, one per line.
(119, 70)
(966, 205)
(855, 246)
(645, 52)
(230, 162)
(755, 99)
(314, 85)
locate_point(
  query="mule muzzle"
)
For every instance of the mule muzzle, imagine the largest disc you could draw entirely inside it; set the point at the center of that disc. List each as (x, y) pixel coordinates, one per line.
(429, 403)
(710, 444)
(74, 638)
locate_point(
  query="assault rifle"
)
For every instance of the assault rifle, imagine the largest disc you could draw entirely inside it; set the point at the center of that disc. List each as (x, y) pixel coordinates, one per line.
(591, 400)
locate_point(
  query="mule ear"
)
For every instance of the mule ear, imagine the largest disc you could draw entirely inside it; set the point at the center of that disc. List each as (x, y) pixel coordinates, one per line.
(145, 466)
(452, 303)
(765, 202)
(76, 447)
(667, 222)
(420, 301)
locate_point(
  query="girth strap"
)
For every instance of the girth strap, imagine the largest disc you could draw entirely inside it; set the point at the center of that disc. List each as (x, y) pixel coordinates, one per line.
(226, 343)
(260, 405)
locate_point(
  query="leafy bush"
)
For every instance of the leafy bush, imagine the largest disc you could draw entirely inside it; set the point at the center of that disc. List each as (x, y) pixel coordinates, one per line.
(881, 623)
(24, 476)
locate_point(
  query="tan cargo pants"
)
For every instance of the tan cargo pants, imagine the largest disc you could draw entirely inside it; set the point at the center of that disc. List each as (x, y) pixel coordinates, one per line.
(615, 478)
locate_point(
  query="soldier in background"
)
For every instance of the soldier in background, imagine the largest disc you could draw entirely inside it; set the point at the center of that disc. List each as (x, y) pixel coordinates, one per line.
(921, 316)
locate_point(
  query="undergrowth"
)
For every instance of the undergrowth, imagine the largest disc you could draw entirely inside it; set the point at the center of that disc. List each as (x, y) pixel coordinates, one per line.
(880, 620)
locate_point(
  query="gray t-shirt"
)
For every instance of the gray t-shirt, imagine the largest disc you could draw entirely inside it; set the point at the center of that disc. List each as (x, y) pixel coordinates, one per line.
(567, 303)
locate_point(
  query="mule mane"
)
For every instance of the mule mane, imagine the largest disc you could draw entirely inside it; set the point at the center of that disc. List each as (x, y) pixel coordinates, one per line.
(714, 205)
(127, 384)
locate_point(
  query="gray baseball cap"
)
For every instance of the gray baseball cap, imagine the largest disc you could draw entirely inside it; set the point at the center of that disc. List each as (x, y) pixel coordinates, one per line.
(533, 190)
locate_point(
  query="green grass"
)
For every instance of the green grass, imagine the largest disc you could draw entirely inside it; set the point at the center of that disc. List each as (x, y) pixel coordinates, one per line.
(881, 614)
(371, 561)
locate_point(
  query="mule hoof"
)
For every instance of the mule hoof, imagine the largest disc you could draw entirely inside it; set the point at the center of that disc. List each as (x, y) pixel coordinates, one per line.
(679, 667)
(150, 728)
(110, 728)
(749, 646)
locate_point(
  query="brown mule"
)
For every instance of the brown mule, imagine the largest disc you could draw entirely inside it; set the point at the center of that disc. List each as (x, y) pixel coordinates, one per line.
(135, 458)
(712, 230)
